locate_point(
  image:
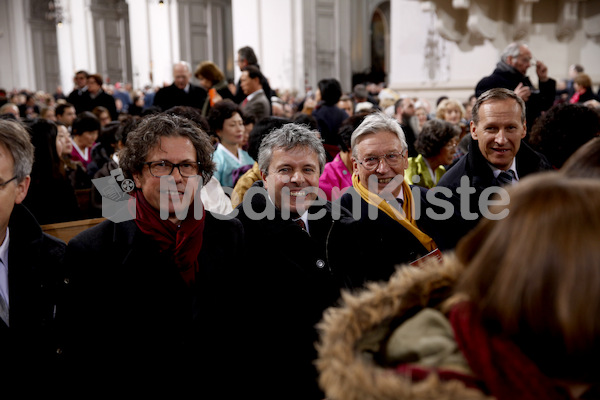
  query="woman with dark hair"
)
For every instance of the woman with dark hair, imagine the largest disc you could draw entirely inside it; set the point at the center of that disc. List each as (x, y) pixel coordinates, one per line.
(213, 80)
(436, 145)
(85, 132)
(51, 197)
(513, 314)
(328, 115)
(562, 130)
(226, 122)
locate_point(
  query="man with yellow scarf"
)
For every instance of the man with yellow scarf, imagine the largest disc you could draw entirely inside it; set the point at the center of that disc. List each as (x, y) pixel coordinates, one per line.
(382, 202)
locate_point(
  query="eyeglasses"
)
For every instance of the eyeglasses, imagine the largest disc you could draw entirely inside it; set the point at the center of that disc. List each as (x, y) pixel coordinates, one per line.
(392, 159)
(7, 182)
(165, 168)
(451, 145)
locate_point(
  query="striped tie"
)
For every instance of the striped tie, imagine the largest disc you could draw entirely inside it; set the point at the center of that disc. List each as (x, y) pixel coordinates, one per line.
(3, 310)
(300, 223)
(506, 177)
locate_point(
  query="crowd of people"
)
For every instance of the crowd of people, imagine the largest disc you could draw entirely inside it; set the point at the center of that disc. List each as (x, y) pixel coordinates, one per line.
(338, 246)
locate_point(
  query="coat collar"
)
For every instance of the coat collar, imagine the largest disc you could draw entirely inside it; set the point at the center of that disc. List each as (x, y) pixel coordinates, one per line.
(352, 333)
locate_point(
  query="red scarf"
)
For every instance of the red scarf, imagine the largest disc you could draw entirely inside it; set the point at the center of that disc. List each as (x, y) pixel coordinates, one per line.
(506, 372)
(575, 98)
(182, 243)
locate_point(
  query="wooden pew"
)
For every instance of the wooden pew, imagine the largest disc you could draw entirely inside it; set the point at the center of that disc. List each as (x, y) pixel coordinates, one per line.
(67, 230)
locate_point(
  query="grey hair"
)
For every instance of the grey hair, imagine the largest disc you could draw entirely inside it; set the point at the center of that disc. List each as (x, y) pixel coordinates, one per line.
(288, 137)
(375, 123)
(497, 94)
(512, 50)
(185, 64)
(17, 141)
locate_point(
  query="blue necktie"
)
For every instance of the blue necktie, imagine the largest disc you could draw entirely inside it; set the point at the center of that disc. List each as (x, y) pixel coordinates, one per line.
(506, 177)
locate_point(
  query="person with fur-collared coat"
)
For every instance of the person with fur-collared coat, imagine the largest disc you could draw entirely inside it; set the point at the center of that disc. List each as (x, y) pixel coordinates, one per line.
(481, 324)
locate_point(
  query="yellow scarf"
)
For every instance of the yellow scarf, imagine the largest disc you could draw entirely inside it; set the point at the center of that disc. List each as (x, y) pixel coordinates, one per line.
(407, 221)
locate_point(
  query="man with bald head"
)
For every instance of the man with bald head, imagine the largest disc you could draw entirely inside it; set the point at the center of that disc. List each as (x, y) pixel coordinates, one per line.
(181, 92)
(511, 73)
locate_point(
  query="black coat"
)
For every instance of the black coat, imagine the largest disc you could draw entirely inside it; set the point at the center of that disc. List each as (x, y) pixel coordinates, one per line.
(290, 277)
(105, 100)
(538, 102)
(474, 166)
(130, 310)
(172, 96)
(31, 345)
(329, 118)
(381, 242)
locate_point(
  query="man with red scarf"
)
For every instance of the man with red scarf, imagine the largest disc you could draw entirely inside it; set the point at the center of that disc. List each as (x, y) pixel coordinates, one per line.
(149, 294)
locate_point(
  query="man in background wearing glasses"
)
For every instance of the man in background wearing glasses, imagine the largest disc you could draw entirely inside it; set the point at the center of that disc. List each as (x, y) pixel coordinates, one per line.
(150, 294)
(382, 201)
(511, 73)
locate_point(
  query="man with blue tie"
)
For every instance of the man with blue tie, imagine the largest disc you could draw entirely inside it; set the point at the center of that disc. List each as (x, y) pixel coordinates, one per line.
(497, 157)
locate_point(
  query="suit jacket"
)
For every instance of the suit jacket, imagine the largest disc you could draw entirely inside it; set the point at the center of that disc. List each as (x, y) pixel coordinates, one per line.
(80, 99)
(509, 78)
(104, 99)
(384, 243)
(31, 345)
(130, 309)
(474, 166)
(290, 277)
(259, 107)
(172, 96)
(329, 118)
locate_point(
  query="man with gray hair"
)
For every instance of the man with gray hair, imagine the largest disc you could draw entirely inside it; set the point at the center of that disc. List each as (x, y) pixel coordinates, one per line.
(382, 201)
(30, 265)
(181, 92)
(291, 238)
(511, 73)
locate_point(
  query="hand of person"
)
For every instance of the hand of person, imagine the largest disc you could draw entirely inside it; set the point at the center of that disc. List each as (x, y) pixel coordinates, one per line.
(309, 105)
(542, 71)
(592, 103)
(217, 98)
(523, 91)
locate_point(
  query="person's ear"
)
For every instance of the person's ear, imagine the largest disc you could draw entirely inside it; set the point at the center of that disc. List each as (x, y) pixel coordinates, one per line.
(137, 179)
(22, 188)
(473, 129)
(524, 130)
(263, 176)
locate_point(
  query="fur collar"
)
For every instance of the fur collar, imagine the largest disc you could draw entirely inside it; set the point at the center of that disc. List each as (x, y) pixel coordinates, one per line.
(352, 332)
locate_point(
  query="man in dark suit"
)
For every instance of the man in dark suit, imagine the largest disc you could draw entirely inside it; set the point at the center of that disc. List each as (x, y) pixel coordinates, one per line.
(78, 97)
(382, 202)
(497, 156)
(256, 102)
(181, 92)
(31, 279)
(246, 57)
(511, 73)
(289, 274)
(97, 97)
(150, 294)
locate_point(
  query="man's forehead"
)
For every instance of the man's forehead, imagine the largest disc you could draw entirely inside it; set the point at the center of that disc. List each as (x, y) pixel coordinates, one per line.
(297, 154)
(376, 138)
(6, 157)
